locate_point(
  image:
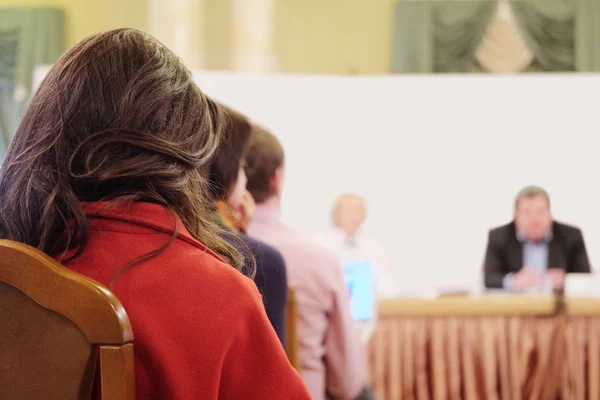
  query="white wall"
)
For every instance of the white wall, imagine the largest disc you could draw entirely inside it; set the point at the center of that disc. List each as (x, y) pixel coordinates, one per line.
(439, 158)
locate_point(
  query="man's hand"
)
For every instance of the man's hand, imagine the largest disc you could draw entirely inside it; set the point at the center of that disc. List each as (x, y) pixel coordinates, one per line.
(525, 279)
(558, 277)
(246, 211)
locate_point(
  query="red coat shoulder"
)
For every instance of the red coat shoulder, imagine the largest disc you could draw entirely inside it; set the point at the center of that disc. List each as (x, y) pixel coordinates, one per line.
(200, 329)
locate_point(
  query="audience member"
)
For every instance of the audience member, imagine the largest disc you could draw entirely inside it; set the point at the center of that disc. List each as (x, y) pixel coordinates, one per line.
(104, 174)
(234, 210)
(533, 252)
(351, 244)
(331, 356)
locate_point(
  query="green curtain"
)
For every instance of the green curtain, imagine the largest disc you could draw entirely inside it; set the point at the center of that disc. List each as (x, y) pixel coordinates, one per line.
(412, 44)
(587, 35)
(41, 38)
(548, 28)
(439, 36)
(28, 37)
(459, 28)
(9, 109)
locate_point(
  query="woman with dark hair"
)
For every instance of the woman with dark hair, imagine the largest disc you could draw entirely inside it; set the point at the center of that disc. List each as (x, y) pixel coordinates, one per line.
(105, 174)
(233, 205)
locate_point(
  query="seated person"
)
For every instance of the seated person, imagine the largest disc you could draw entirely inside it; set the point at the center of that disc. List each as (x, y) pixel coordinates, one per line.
(331, 356)
(533, 251)
(104, 174)
(234, 209)
(351, 244)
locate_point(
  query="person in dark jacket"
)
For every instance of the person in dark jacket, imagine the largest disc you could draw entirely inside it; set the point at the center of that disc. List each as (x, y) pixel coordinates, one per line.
(234, 208)
(269, 276)
(533, 251)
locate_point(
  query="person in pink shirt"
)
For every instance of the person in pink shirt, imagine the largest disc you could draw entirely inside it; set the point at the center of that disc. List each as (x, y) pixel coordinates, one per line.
(332, 361)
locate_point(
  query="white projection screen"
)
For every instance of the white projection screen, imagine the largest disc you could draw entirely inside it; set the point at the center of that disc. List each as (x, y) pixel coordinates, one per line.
(438, 158)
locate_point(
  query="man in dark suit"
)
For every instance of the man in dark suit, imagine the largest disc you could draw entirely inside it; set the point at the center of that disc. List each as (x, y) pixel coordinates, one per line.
(533, 251)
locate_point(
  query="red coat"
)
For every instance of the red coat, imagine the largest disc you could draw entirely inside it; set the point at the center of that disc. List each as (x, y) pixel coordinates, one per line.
(200, 328)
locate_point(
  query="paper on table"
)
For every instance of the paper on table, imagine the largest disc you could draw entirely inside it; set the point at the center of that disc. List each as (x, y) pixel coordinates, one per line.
(582, 285)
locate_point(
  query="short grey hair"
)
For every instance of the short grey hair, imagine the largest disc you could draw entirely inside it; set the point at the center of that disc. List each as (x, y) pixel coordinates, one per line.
(531, 191)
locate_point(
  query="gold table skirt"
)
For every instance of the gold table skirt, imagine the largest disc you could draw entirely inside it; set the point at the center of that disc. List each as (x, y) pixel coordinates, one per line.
(501, 348)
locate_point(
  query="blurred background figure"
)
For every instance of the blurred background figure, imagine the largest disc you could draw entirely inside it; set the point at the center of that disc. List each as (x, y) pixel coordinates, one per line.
(357, 249)
(332, 362)
(533, 252)
(234, 208)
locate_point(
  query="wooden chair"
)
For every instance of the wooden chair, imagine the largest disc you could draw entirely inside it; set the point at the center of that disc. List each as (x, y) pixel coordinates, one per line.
(54, 326)
(291, 331)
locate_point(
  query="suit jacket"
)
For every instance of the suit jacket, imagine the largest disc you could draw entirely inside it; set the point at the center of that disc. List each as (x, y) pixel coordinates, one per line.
(504, 252)
(270, 277)
(271, 272)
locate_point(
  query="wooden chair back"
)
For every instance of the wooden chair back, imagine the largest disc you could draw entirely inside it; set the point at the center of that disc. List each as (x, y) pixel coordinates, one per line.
(291, 331)
(55, 325)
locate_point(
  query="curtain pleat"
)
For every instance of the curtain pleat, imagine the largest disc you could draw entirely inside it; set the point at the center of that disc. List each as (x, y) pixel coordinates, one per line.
(587, 35)
(41, 38)
(503, 49)
(474, 358)
(548, 28)
(35, 37)
(459, 28)
(474, 36)
(413, 51)
(9, 111)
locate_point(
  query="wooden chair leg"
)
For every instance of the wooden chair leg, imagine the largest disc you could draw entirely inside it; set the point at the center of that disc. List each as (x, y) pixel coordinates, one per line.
(117, 372)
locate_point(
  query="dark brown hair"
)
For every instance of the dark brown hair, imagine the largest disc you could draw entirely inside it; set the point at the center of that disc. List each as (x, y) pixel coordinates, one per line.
(228, 159)
(263, 157)
(117, 118)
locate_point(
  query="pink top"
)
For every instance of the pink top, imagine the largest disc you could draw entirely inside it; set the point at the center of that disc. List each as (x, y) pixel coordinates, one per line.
(331, 356)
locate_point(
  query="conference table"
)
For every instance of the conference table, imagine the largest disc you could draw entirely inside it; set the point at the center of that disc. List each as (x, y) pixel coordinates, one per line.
(501, 347)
